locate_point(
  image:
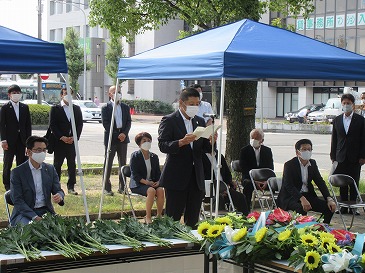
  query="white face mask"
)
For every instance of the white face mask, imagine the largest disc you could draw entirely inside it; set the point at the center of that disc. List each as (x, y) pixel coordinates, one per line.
(347, 108)
(146, 146)
(305, 155)
(191, 111)
(118, 97)
(15, 97)
(65, 98)
(255, 143)
(201, 95)
(39, 157)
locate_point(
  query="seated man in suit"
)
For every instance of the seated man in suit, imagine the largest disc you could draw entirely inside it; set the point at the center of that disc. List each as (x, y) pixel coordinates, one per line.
(238, 199)
(32, 184)
(254, 156)
(297, 192)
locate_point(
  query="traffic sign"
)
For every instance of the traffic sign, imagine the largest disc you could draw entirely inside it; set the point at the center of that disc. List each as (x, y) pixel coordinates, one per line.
(44, 76)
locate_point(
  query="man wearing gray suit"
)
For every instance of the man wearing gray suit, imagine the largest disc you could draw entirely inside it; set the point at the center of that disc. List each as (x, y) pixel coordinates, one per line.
(32, 184)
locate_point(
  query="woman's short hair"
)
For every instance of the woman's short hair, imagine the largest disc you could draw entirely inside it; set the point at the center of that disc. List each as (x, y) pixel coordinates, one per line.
(141, 135)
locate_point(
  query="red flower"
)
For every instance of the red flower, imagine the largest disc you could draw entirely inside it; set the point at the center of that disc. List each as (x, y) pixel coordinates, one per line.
(305, 219)
(343, 235)
(279, 215)
(255, 214)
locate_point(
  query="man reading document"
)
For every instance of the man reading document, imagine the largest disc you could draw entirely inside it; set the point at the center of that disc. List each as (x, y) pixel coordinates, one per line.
(183, 174)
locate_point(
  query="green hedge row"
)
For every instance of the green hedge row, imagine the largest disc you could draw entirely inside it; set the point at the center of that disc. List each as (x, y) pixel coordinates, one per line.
(40, 113)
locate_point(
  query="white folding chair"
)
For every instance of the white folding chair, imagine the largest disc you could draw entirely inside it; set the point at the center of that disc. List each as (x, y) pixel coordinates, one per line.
(263, 198)
(343, 180)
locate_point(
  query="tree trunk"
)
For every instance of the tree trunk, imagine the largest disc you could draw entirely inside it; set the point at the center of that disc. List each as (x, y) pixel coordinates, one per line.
(240, 100)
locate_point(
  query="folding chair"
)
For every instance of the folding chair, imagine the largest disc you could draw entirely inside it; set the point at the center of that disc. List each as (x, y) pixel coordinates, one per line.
(8, 202)
(236, 168)
(274, 185)
(342, 180)
(263, 198)
(211, 197)
(126, 172)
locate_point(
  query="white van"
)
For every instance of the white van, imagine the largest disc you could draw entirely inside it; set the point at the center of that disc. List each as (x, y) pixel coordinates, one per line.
(332, 109)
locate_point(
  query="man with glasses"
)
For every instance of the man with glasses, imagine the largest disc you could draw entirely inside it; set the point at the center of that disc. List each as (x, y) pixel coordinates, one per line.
(15, 127)
(297, 192)
(34, 185)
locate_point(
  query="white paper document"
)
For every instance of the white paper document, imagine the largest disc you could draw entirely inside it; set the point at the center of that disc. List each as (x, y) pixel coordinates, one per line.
(205, 132)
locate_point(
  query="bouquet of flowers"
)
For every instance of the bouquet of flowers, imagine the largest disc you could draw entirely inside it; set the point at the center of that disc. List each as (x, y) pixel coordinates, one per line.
(307, 245)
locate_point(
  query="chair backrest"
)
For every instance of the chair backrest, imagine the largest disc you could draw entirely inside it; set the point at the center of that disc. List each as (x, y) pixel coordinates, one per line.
(275, 183)
(340, 180)
(262, 174)
(126, 171)
(8, 198)
(235, 166)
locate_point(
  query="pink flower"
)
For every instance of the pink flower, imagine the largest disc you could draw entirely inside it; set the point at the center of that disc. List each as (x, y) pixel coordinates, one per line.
(255, 214)
(279, 215)
(305, 219)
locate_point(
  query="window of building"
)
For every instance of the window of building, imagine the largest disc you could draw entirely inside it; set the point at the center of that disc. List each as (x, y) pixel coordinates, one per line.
(52, 8)
(77, 29)
(86, 4)
(68, 5)
(330, 5)
(98, 63)
(351, 4)
(52, 35)
(59, 34)
(87, 27)
(286, 100)
(361, 4)
(59, 8)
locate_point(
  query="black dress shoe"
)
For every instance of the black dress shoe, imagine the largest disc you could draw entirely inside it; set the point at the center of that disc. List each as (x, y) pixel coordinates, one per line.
(72, 192)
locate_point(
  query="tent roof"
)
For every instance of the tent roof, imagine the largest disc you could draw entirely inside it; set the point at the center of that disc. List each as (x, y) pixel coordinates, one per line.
(245, 50)
(21, 53)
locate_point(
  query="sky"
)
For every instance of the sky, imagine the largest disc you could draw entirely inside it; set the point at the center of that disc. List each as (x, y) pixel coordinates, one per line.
(22, 16)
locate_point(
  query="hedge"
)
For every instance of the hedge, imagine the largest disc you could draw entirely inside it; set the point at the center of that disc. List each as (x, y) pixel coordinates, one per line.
(39, 114)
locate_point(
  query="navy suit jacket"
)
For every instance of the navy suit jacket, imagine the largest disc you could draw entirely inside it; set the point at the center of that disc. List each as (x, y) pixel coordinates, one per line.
(248, 160)
(180, 161)
(10, 127)
(22, 190)
(139, 170)
(292, 182)
(106, 116)
(350, 146)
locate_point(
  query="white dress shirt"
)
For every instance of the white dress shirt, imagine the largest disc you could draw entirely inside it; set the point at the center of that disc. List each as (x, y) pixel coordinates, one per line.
(66, 108)
(188, 125)
(148, 167)
(37, 178)
(118, 115)
(16, 108)
(257, 155)
(347, 121)
(304, 172)
(205, 108)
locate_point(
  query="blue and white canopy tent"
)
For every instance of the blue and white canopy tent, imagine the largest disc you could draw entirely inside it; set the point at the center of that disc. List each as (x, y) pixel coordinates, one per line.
(21, 53)
(244, 50)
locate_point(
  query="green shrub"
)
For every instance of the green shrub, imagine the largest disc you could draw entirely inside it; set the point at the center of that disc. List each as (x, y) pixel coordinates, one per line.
(150, 106)
(39, 114)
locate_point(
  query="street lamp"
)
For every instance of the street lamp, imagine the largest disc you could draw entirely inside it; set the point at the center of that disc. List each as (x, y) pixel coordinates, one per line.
(84, 37)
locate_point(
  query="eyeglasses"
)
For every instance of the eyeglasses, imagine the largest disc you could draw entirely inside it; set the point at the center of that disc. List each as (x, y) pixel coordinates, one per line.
(39, 150)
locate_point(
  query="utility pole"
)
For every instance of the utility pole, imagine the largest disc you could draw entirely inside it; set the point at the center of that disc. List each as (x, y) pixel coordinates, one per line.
(39, 80)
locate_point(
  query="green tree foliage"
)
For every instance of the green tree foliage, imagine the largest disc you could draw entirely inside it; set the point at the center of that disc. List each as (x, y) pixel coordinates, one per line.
(74, 57)
(113, 53)
(129, 17)
(25, 76)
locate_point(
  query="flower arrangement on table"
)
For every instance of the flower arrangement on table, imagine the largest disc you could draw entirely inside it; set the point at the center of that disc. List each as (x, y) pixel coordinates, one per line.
(306, 244)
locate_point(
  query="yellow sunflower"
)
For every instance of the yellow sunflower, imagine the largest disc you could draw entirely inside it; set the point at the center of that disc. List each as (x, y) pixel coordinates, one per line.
(333, 248)
(203, 228)
(309, 240)
(239, 234)
(301, 231)
(224, 221)
(284, 235)
(328, 235)
(312, 259)
(214, 231)
(326, 242)
(260, 234)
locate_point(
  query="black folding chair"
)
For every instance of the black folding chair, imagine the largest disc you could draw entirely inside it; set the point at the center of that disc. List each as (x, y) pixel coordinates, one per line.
(8, 202)
(126, 172)
(263, 198)
(343, 180)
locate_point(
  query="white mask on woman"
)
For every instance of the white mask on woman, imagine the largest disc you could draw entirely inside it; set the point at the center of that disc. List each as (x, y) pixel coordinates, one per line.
(146, 146)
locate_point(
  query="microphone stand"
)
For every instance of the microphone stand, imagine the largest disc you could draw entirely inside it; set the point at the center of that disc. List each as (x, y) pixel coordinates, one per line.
(211, 195)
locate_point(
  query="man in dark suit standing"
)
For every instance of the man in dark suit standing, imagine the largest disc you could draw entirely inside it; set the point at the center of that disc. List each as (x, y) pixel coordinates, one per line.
(183, 174)
(60, 124)
(254, 156)
(348, 146)
(33, 183)
(297, 192)
(16, 127)
(120, 137)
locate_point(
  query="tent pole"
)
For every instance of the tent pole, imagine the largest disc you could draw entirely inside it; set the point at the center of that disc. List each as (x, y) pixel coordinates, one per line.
(219, 158)
(76, 143)
(262, 105)
(108, 150)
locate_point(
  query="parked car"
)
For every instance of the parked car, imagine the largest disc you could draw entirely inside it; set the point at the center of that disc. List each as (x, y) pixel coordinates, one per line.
(292, 116)
(90, 111)
(35, 102)
(316, 116)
